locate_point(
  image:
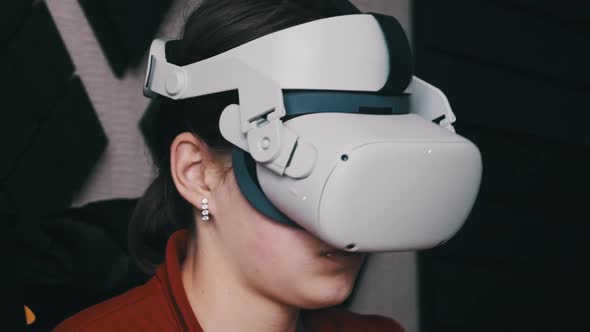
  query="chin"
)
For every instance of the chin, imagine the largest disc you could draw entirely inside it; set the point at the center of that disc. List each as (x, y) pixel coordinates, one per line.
(327, 292)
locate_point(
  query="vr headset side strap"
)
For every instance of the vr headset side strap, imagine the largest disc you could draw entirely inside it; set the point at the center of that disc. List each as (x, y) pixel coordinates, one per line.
(430, 103)
(261, 99)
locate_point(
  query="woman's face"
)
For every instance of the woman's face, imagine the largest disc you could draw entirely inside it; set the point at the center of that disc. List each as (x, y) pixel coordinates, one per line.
(287, 264)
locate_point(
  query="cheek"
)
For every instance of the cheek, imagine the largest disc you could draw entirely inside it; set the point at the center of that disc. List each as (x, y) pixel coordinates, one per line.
(275, 248)
(276, 259)
(261, 242)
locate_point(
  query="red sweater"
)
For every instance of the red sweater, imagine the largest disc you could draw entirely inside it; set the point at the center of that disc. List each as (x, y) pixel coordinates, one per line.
(162, 305)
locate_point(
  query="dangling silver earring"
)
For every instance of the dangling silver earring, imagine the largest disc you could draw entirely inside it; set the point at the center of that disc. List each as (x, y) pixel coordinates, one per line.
(205, 207)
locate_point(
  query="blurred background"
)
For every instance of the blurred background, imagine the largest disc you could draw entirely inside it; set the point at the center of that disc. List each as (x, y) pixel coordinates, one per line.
(75, 156)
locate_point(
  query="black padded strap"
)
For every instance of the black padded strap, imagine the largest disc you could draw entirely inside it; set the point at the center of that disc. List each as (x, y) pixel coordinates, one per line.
(174, 51)
(401, 67)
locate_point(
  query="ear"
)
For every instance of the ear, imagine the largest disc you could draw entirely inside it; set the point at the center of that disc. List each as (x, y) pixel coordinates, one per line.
(188, 156)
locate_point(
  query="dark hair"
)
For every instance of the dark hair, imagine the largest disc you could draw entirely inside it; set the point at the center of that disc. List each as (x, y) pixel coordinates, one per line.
(213, 27)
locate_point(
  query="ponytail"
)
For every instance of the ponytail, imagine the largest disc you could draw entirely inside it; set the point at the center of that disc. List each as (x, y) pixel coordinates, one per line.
(159, 212)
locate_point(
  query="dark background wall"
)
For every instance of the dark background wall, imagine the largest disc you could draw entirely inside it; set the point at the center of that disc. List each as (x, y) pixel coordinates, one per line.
(517, 75)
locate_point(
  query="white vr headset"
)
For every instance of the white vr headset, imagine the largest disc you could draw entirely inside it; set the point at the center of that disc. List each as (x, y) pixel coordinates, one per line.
(368, 159)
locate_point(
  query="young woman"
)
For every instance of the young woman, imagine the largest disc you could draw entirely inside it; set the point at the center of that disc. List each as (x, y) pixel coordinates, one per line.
(237, 270)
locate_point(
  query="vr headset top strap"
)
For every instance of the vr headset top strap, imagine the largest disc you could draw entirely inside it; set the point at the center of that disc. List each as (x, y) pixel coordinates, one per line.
(350, 52)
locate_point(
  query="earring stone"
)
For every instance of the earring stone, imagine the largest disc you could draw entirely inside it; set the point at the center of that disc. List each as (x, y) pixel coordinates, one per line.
(205, 207)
